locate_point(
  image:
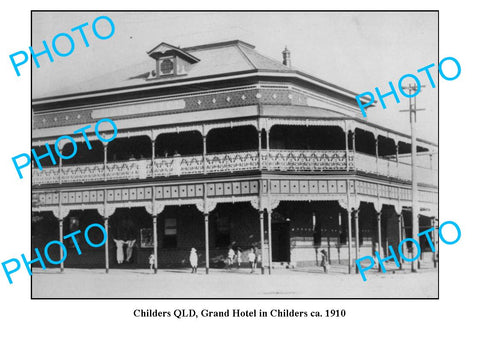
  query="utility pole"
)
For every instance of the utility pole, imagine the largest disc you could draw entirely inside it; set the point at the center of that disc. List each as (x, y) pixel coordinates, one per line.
(415, 210)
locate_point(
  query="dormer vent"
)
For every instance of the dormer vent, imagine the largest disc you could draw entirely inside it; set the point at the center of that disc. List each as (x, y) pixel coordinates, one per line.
(171, 60)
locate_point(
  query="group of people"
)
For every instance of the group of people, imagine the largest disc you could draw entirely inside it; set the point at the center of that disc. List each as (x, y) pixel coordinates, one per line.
(236, 257)
(193, 260)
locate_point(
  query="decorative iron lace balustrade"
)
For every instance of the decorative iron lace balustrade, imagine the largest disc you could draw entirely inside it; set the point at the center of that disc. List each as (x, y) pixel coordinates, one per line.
(46, 176)
(81, 173)
(274, 160)
(230, 162)
(129, 170)
(177, 166)
(306, 160)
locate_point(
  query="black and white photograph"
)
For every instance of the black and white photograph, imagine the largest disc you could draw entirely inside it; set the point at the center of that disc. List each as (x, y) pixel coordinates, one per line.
(245, 148)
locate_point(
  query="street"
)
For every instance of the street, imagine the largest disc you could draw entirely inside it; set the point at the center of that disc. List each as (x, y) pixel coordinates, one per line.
(237, 283)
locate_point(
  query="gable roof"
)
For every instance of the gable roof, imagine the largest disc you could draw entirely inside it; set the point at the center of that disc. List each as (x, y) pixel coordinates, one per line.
(164, 49)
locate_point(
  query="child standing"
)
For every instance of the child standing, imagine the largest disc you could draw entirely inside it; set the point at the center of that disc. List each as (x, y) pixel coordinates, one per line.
(193, 260)
(151, 261)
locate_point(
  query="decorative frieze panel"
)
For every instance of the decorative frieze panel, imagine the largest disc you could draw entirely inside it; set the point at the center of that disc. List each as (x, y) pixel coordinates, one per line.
(162, 193)
(428, 196)
(387, 191)
(50, 198)
(367, 188)
(73, 197)
(405, 194)
(352, 187)
(251, 95)
(248, 95)
(178, 191)
(308, 186)
(390, 168)
(264, 186)
(391, 192)
(232, 192)
(130, 194)
(71, 117)
(232, 188)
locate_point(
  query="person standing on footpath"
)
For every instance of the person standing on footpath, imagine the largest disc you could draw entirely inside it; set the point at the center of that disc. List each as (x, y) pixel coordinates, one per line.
(230, 256)
(251, 260)
(324, 262)
(151, 261)
(258, 257)
(239, 257)
(193, 260)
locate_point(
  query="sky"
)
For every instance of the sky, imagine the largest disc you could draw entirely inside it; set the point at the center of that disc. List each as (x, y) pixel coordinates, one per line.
(355, 50)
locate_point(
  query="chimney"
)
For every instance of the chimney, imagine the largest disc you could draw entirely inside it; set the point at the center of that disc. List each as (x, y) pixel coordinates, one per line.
(286, 57)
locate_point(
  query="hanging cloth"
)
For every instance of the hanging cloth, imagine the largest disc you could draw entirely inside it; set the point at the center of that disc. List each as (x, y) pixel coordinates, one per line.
(130, 244)
(120, 256)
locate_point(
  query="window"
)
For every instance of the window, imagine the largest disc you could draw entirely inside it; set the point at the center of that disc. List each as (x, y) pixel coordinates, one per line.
(146, 238)
(170, 233)
(166, 67)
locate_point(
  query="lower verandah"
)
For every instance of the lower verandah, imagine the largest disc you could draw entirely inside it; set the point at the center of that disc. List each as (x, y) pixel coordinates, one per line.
(299, 231)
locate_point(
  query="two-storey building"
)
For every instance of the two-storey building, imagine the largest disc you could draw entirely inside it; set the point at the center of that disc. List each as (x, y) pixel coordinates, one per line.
(219, 146)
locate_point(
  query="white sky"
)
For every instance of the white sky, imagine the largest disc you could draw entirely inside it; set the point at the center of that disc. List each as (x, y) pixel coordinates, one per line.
(357, 50)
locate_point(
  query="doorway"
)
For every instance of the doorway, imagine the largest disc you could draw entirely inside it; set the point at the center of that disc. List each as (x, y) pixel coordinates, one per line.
(281, 242)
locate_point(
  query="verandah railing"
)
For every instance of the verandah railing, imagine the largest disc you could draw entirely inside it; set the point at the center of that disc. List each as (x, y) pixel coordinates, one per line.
(272, 160)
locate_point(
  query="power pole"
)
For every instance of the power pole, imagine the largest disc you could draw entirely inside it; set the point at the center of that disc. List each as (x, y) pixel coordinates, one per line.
(415, 209)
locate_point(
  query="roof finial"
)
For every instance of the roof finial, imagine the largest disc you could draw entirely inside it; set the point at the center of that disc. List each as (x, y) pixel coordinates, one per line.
(286, 57)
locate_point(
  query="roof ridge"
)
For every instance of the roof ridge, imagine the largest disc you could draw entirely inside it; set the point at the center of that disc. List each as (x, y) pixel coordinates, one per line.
(270, 59)
(218, 44)
(246, 56)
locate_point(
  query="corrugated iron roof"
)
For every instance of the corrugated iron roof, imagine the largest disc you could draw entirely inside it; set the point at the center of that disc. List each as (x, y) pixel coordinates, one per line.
(214, 60)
